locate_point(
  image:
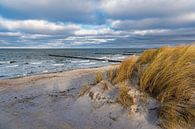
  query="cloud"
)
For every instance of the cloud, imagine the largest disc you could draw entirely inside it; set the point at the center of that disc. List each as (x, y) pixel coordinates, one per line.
(150, 32)
(186, 20)
(97, 31)
(86, 40)
(10, 34)
(96, 23)
(37, 26)
(66, 10)
(139, 9)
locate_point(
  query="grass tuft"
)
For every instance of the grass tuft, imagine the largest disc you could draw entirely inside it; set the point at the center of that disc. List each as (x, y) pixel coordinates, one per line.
(124, 98)
(111, 74)
(105, 86)
(83, 90)
(125, 70)
(98, 78)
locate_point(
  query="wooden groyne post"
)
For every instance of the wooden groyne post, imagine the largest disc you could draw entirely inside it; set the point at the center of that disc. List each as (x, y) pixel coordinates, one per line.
(85, 58)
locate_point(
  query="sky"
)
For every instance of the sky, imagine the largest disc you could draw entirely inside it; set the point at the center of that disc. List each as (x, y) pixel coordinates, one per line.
(96, 23)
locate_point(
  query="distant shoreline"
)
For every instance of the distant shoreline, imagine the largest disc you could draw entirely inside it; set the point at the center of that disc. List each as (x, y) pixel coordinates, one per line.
(48, 73)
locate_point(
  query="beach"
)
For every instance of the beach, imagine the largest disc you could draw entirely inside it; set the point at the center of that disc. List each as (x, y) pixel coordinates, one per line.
(150, 91)
(50, 101)
(97, 64)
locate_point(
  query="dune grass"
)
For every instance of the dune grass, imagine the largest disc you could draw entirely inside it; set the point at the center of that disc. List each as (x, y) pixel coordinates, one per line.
(105, 85)
(83, 90)
(111, 74)
(173, 115)
(123, 97)
(166, 74)
(125, 70)
(98, 78)
(169, 74)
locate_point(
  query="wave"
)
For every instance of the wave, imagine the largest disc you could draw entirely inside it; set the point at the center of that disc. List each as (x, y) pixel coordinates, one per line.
(36, 63)
(90, 63)
(7, 62)
(11, 66)
(58, 64)
(80, 61)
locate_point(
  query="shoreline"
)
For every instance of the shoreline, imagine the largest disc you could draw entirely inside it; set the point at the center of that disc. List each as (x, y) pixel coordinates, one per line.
(61, 71)
(52, 75)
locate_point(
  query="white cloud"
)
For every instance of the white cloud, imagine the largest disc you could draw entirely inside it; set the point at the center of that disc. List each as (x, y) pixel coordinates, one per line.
(11, 34)
(37, 26)
(34, 36)
(95, 31)
(150, 32)
(84, 40)
(147, 8)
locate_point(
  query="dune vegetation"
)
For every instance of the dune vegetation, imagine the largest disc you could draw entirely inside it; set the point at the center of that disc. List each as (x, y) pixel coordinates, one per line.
(166, 74)
(98, 78)
(123, 97)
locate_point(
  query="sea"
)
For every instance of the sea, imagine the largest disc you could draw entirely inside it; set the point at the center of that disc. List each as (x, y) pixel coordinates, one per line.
(16, 63)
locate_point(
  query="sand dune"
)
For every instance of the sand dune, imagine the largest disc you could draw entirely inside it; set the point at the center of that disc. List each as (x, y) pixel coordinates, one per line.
(51, 101)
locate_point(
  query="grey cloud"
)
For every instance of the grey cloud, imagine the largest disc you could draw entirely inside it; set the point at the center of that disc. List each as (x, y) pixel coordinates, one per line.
(187, 20)
(64, 10)
(75, 23)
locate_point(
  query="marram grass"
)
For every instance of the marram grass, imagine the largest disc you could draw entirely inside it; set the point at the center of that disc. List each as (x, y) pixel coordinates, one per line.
(83, 90)
(166, 74)
(125, 70)
(98, 78)
(111, 74)
(124, 98)
(169, 77)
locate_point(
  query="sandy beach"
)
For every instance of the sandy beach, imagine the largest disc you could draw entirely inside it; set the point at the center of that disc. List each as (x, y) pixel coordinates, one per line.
(50, 101)
(97, 64)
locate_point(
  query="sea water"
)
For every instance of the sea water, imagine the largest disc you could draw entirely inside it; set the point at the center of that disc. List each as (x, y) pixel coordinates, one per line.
(23, 62)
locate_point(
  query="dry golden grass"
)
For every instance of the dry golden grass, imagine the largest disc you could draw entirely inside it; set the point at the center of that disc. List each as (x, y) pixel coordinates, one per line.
(143, 60)
(83, 90)
(169, 77)
(147, 56)
(98, 78)
(123, 97)
(173, 115)
(111, 74)
(125, 70)
(169, 73)
(105, 86)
